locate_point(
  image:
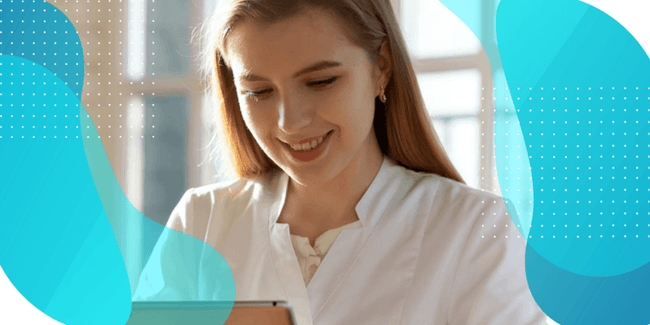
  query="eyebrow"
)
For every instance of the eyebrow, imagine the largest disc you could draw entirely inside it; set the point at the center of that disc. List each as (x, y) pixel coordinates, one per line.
(322, 65)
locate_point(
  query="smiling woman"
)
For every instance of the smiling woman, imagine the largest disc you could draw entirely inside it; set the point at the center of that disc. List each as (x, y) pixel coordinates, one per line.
(349, 28)
(345, 203)
(297, 81)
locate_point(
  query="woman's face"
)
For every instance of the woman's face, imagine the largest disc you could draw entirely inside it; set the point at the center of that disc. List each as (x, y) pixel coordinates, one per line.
(301, 80)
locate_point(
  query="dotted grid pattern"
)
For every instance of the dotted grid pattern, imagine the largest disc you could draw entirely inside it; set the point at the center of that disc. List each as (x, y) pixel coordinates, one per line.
(618, 179)
(578, 271)
(634, 96)
(635, 183)
(637, 226)
(109, 94)
(44, 37)
(20, 124)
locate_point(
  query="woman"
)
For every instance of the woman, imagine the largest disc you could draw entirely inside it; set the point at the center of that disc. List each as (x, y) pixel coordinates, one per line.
(345, 204)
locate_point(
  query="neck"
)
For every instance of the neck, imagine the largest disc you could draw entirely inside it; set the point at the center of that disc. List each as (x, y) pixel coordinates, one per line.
(346, 189)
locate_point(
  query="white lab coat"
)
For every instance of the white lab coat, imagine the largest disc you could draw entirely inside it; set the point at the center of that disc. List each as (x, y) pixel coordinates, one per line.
(430, 251)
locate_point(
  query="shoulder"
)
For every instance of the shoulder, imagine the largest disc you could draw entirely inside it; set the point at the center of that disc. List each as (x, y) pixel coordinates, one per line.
(451, 205)
(456, 195)
(227, 198)
(208, 195)
(239, 189)
(446, 193)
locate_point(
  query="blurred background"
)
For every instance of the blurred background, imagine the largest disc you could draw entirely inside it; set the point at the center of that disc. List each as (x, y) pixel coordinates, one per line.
(144, 94)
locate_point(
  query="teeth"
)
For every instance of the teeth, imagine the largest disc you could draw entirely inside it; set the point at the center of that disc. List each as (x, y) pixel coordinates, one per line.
(307, 145)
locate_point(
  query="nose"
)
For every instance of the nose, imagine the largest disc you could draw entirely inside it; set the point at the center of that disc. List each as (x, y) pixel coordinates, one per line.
(293, 114)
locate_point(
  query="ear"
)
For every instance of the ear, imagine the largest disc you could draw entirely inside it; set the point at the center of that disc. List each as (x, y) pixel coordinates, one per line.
(385, 64)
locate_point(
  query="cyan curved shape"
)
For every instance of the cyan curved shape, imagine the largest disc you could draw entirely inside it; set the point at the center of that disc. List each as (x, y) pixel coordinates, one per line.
(62, 204)
(546, 44)
(580, 84)
(56, 244)
(572, 299)
(180, 267)
(59, 180)
(583, 104)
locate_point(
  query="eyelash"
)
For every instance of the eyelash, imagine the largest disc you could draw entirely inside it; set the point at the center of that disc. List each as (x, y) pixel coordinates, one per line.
(323, 82)
(318, 84)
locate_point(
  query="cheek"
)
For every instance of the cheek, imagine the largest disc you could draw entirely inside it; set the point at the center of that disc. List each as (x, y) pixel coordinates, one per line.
(259, 121)
(246, 115)
(356, 108)
(252, 121)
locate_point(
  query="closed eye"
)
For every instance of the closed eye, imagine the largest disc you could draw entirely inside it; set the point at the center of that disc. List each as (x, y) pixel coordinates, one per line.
(318, 84)
(322, 83)
(255, 94)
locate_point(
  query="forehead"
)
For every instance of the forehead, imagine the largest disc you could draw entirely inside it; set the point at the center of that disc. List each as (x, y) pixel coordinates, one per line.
(282, 48)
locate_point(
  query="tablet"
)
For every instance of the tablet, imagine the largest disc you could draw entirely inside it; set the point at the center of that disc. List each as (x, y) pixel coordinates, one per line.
(211, 313)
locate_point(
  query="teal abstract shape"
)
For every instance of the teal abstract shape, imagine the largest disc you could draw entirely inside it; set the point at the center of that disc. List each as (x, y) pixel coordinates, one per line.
(65, 199)
(597, 273)
(572, 299)
(583, 100)
(565, 296)
(56, 245)
(119, 210)
(39, 32)
(184, 268)
(180, 267)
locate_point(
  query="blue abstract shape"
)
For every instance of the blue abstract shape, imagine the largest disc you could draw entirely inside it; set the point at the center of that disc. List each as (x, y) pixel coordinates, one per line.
(582, 100)
(184, 268)
(180, 267)
(39, 32)
(63, 199)
(56, 244)
(572, 299)
(568, 44)
(119, 210)
(59, 171)
(580, 84)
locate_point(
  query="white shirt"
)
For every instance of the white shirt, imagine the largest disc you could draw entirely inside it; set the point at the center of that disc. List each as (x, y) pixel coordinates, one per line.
(429, 251)
(309, 258)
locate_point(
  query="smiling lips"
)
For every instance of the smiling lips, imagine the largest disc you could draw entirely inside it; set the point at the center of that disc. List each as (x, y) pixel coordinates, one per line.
(308, 145)
(313, 149)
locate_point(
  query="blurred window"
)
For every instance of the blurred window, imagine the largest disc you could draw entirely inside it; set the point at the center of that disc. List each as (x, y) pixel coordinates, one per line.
(451, 68)
(433, 31)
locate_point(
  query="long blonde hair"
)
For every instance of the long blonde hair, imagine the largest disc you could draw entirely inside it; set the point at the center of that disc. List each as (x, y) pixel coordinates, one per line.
(402, 125)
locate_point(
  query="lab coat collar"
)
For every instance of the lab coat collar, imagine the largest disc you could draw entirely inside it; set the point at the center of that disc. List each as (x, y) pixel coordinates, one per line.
(278, 190)
(342, 254)
(365, 205)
